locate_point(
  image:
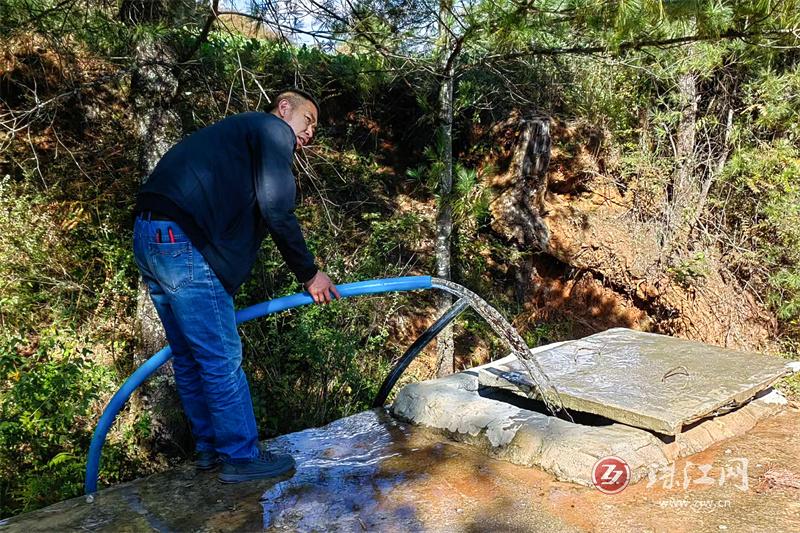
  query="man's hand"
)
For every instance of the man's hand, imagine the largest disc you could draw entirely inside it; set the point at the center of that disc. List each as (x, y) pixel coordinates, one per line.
(320, 288)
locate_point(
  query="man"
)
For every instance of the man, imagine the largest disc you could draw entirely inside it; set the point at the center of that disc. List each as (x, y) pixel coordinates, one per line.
(201, 218)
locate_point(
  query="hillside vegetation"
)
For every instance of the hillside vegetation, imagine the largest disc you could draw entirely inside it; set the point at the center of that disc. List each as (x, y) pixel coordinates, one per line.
(670, 201)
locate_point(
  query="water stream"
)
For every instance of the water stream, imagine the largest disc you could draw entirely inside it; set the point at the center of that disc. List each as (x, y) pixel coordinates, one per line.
(543, 389)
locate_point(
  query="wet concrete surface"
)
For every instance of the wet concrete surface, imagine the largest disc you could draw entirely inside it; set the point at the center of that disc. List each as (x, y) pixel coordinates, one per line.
(370, 472)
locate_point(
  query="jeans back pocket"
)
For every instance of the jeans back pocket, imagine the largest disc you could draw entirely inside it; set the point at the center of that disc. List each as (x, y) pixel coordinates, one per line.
(172, 263)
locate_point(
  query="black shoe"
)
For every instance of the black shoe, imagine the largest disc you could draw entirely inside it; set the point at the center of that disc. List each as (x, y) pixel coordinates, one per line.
(266, 465)
(206, 460)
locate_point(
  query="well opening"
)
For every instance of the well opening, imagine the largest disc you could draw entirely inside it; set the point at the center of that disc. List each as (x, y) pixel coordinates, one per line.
(538, 406)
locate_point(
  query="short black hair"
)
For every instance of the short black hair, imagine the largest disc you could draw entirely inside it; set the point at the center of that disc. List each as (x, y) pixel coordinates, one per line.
(297, 92)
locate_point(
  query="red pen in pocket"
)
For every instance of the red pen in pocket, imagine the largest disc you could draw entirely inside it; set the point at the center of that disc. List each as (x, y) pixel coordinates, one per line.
(171, 235)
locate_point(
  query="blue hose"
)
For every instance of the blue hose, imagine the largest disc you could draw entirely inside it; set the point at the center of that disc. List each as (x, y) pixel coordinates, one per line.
(373, 286)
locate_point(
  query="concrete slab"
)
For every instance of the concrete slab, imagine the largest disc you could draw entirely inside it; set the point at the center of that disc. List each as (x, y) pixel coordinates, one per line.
(366, 472)
(642, 379)
(457, 407)
(412, 480)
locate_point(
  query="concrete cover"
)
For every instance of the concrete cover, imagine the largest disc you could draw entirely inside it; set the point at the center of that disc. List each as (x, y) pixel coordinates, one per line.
(455, 406)
(644, 380)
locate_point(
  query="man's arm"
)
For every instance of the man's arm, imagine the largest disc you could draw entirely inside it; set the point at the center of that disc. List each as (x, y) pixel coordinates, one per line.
(275, 193)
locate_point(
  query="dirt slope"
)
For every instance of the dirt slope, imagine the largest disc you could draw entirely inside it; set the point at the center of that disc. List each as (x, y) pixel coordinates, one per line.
(599, 262)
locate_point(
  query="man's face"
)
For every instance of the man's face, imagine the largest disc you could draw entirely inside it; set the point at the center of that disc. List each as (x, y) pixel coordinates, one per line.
(302, 118)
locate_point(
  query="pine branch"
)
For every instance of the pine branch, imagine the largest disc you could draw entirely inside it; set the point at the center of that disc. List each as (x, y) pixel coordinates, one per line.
(204, 33)
(639, 45)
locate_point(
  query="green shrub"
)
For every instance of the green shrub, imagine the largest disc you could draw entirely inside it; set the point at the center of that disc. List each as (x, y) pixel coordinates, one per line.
(690, 272)
(764, 205)
(47, 402)
(315, 364)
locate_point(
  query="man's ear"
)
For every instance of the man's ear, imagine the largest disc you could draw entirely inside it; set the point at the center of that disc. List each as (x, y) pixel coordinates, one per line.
(284, 108)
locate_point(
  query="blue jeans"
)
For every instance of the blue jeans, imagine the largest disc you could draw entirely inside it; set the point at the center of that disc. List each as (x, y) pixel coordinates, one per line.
(198, 317)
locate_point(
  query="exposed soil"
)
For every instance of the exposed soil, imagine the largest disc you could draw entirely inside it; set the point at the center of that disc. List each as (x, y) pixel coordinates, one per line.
(620, 278)
(771, 452)
(603, 264)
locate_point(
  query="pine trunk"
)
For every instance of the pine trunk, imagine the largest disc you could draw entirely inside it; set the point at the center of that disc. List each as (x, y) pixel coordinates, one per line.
(685, 190)
(444, 219)
(153, 89)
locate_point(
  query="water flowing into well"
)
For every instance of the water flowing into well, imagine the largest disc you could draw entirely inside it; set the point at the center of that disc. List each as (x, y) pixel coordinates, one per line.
(544, 389)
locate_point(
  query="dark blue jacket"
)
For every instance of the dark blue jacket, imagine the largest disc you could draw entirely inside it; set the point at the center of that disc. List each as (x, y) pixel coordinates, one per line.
(226, 186)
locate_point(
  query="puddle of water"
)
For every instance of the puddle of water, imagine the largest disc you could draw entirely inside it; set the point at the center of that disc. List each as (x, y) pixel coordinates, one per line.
(544, 389)
(339, 483)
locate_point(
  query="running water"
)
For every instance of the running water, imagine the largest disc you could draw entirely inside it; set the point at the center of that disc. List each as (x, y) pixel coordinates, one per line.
(345, 474)
(544, 388)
